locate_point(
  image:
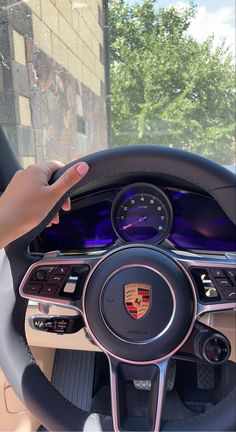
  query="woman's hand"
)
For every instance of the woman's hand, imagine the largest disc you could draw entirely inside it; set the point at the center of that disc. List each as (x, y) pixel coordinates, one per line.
(29, 198)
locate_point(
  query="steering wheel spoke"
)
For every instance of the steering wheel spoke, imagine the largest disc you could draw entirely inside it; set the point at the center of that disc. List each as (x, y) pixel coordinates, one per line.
(58, 280)
(146, 412)
(214, 279)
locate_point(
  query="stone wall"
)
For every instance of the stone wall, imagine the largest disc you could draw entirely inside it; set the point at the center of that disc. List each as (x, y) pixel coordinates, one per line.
(52, 104)
(61, 106)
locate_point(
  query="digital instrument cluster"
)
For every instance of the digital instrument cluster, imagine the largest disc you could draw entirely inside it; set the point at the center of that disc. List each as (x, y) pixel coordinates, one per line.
(141, 213)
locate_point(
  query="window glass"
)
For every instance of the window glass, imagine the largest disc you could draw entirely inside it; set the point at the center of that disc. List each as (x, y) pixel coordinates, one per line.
(77, 76)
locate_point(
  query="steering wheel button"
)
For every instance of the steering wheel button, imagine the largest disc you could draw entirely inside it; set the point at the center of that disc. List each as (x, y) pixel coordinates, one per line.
(57, 277)
(49, 290)
(223, 282)
(32, 289)
(229, 293)
(231, 273)
(69, 288)
(41, 275)
(218, 273)
(61, 270)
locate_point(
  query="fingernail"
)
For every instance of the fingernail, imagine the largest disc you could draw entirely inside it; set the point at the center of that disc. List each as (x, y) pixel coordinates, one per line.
(82, 168)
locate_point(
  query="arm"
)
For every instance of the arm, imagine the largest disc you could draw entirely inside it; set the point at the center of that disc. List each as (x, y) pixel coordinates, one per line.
(29, 198)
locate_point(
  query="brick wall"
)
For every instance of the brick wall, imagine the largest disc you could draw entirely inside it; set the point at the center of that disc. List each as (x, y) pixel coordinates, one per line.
(52, 78)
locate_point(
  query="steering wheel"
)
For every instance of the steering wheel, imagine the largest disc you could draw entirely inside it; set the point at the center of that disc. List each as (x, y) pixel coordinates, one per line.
(136, 348)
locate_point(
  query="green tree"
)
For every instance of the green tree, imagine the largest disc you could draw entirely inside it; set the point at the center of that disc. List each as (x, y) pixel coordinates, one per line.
(168, 88)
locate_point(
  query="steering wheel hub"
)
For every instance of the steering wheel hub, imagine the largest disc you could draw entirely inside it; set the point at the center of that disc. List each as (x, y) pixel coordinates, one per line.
(138, 304)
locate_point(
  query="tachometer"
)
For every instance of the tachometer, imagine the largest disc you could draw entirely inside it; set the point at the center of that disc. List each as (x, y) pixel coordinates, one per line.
(141, 213)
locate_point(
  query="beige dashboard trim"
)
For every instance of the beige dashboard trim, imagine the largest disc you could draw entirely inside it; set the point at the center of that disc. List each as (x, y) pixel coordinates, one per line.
(224, 321)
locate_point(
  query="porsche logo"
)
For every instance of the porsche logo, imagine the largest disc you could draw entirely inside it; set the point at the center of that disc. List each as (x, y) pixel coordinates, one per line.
(137, 298)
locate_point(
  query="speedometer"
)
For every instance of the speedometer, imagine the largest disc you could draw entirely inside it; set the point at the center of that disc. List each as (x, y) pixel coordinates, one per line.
(141, 213)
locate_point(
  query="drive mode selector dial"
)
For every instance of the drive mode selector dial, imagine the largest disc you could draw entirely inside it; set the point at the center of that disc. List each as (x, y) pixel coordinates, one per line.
(139, 304)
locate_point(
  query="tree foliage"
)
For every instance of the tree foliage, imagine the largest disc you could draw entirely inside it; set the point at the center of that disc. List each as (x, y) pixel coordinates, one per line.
(168, 88)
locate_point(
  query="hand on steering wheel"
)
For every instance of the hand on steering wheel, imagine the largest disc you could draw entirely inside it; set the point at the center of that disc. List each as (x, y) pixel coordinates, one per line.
(134, 350)
(29, 197)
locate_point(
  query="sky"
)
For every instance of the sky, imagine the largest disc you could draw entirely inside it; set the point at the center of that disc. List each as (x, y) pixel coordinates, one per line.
(213, 17)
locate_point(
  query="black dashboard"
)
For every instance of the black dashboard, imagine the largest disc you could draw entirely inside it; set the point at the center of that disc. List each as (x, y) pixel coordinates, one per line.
(141, 212)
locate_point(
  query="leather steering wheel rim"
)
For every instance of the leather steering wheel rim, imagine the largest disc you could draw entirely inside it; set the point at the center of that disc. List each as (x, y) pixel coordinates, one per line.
(25, 377)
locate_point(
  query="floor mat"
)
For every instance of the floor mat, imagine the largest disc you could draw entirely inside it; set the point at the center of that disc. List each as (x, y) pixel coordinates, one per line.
(73, 373)
(137, 400)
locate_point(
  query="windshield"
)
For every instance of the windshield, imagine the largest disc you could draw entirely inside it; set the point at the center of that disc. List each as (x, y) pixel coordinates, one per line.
(77, 76)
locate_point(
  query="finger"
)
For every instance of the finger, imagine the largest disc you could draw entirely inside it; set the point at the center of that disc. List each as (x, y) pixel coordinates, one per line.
(50, 167)
(69, 178)
(67, 205)
(55, 219)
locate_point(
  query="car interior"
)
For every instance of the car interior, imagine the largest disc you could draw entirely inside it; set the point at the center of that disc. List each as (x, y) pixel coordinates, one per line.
(177, 364)
(122, 316)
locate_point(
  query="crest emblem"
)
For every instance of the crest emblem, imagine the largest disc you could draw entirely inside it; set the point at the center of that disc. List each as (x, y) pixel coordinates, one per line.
(137, 298)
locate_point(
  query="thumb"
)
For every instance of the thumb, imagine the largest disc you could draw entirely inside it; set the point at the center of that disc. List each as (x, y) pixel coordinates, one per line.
(69, 178)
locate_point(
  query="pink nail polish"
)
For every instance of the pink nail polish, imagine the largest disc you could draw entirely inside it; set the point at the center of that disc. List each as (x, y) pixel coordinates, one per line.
(82, 168)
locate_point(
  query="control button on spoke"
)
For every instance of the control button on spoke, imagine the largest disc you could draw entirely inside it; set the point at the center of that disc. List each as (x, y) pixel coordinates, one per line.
(223, 282)
(218, 273)
(32, 289)
(57, 277)
(229, 293)
(41, 275)
(61, 270)
(49, 290)
(231, 273)
(69, 288)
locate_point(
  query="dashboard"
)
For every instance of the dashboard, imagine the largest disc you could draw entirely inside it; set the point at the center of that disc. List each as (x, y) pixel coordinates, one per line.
(140, 212)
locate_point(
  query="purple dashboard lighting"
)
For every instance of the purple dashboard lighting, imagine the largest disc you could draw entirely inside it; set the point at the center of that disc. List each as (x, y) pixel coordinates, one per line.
(198, 224)
(94, 243)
